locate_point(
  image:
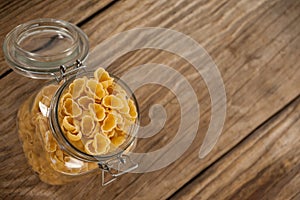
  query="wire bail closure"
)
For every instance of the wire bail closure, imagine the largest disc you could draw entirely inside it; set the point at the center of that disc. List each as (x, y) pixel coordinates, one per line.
(64, 72)
(115, 168)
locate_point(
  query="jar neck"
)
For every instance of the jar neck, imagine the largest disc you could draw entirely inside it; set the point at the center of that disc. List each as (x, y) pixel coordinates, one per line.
(65, 144)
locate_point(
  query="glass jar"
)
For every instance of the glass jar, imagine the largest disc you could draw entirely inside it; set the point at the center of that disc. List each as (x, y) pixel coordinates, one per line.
(79, 121)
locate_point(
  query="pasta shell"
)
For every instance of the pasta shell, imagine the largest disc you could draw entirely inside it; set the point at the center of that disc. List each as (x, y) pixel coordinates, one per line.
(71, 108)
(113, 102)
(109, 123)
(118, 140)
(101, 75)
(99, 92)
(89, 147)
(98, 110)
(101, 144)
(87, 125)
(85, 101)
(68, 124)
(132, 109)
(74, 136)
(77, 87)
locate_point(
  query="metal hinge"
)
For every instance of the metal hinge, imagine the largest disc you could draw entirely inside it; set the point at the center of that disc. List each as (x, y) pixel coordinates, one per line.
(65, 72)
(115, 168)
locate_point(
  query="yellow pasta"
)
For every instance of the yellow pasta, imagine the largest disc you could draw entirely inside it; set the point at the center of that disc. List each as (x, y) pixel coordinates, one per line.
(99, 92)
(87, 125)
(89, 147)
(49, 142)
(85, 101)
(111, 101)
(68, 124)
(132, 109)
(101, 143)
(101, 75)
(74, 136)
(98, 111)
(109, 123)
(49, 90)
(125, 108)
(71, 108)
(77, 87)
(118, 139)
(91, 85)
(66, 96)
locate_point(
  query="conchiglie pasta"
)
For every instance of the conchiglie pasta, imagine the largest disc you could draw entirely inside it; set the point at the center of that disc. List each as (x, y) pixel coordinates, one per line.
(96, 113)
(112, 101)
(77, 87)
(101, 144)
(109, 123)
(71, 108)
(87, 125)
(85, 101)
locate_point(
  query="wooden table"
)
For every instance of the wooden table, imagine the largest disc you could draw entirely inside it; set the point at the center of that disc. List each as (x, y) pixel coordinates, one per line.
(256, 46)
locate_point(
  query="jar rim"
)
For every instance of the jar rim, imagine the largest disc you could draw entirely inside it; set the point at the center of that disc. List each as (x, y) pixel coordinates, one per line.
(62, 43)
(67, 145)
(23, 28)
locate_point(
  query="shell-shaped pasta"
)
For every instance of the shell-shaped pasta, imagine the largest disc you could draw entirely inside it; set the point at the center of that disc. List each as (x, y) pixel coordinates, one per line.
(49, 90)
(77, 87)
(46, 101)
(107, 83)
(132, 112)
(101, 143)
(99, 92)
(109, 123)
(111, 101)
(125, 108)
(59, 154)
(85, 101)
(118, 140)
(110, 89)
(66, 96)
(74, 136)
(98, 111)
(91, 85)
(87, 125)
(68, 124)
(89, 147)
(111, 133)
(101, 75)
(125, 126)
(79, 145)
(42, 127)
(118, 116)
(71, 108)
(49, 142)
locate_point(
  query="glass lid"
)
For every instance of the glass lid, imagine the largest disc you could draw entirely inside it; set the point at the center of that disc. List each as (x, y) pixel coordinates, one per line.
(39, 48)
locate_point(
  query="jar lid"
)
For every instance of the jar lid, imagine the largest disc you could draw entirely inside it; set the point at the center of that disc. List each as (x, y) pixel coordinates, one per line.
(39, 48)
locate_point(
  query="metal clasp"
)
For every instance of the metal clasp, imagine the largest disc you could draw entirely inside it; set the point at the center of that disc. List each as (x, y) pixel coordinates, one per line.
(115, 168)
(64, 71)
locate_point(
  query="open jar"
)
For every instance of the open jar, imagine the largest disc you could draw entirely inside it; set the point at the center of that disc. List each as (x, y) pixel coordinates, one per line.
(80, 120)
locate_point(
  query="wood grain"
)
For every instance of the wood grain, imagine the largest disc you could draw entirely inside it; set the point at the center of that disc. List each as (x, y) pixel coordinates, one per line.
(266, 165)
(15, 12)
(256, 46)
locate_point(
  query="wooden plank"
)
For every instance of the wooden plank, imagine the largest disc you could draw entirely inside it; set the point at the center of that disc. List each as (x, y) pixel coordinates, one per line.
(13, 13)
(249, 42)
(265, 165)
